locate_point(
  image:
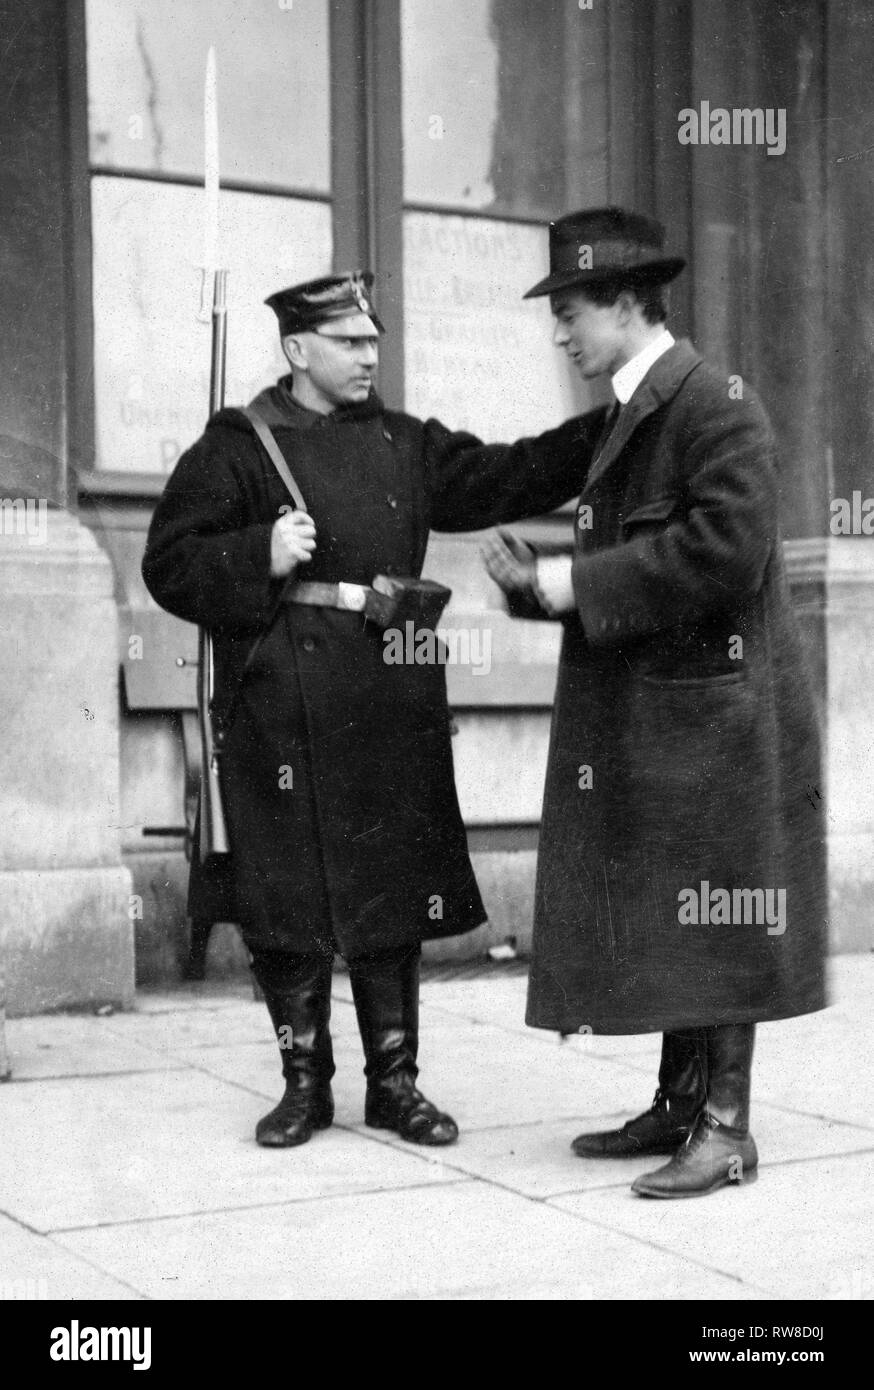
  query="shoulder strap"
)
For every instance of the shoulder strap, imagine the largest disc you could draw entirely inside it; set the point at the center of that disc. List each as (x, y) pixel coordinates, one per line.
(274, 453)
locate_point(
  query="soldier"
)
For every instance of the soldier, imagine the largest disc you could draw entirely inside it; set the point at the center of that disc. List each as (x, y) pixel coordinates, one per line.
(337, 767)
(682, 804)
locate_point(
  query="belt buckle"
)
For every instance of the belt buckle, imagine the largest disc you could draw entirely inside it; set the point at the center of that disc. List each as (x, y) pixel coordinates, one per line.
(351, 597)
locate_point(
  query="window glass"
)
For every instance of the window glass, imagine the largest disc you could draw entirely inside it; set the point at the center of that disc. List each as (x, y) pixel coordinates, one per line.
(478, 356)
(505, 105)
(146, 63)
(151, 355)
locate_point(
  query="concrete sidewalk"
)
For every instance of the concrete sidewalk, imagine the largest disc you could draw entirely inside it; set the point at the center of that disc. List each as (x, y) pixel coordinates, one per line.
(128, 1167)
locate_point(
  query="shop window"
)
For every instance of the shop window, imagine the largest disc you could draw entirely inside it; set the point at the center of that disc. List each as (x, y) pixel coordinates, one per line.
(145, 86)
(505, 127)
(151, 355)
(477, 354)
(146, 63)
(505, 105)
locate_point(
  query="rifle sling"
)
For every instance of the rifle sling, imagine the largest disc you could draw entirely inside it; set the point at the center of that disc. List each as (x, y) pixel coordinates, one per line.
(274, 453)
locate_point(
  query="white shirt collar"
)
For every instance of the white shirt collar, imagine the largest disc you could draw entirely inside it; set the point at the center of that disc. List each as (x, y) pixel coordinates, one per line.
(629, 377)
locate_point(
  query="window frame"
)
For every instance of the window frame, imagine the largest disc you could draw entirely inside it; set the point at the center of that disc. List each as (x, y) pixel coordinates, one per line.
(366, 194)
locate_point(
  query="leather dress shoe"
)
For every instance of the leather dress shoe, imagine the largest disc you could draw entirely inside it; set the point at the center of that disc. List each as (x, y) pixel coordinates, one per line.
(715, 1155)
(672, 1115)
(659, 1130)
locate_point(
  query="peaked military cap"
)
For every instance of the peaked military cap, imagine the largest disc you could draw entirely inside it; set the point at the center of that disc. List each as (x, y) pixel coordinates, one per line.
(303, 308)
(602, 244)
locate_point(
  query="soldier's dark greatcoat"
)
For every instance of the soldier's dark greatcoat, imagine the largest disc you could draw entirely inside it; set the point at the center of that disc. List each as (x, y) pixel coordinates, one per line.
(338, 773)
(704, 754)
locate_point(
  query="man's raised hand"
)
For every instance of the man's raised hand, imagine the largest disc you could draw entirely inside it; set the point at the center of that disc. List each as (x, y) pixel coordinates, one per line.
(509, 561)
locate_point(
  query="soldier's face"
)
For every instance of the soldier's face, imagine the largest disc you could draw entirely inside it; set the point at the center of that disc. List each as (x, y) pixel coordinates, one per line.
(340, 367)
(592, 335)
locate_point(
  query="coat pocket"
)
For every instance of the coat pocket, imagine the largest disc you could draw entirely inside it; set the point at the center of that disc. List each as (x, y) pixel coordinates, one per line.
(650, 513)
(679, 683)
(697, 753)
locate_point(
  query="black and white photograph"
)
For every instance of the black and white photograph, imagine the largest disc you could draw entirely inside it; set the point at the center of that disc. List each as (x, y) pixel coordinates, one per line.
(437, 569)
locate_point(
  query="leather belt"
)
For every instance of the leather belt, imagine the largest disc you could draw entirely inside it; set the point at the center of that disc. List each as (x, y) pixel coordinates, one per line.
(350, 598)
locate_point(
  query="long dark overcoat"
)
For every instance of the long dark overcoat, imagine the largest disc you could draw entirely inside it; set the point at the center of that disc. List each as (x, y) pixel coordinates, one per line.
(704, 754)
(337, 773)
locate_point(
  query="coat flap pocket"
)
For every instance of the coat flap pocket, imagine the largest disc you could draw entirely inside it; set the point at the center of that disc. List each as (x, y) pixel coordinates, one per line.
(659, 510)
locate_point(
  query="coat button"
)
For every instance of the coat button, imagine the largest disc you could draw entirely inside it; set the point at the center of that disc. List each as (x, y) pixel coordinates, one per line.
(309, 644)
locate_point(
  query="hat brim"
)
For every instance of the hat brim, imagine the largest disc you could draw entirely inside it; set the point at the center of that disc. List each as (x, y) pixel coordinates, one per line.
(651, 273)
(351, 325)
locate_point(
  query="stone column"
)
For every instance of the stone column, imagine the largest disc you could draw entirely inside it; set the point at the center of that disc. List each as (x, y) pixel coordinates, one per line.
(65, 910)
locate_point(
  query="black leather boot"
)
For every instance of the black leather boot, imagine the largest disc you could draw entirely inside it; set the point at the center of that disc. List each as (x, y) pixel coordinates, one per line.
(297, 991)
(720, 1151)
(386, 994)
(672, 1115)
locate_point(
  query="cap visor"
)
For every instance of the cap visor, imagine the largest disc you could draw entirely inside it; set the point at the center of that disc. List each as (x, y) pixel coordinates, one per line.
(350, 326)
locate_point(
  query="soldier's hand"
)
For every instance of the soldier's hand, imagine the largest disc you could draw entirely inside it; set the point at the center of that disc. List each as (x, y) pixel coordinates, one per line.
(292, 543)
(509, 561)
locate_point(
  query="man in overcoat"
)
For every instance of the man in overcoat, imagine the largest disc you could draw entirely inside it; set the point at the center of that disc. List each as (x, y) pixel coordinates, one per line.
(337, 768)
(681, 882)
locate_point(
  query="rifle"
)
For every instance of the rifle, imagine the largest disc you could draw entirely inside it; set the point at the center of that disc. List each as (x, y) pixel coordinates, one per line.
(213, 827)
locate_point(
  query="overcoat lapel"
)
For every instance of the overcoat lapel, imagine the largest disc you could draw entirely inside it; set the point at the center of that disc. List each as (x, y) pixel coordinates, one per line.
(661, 384)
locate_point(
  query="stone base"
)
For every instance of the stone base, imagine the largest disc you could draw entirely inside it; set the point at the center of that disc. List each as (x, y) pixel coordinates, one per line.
(161, 881)
(506, 881)
(65, 926)
(833, 590)
(67, 938)
(850, 741)
(851, 893)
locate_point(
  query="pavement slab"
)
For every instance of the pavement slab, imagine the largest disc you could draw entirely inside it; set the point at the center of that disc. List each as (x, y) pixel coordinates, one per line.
(802, 1231)
(486, 1077)
(536, 1160)
(76, 1045)
(471, 1240)
(480, 1074)
(256, 1068)
(129, 1167)
(82, 1153)
(34, 1267)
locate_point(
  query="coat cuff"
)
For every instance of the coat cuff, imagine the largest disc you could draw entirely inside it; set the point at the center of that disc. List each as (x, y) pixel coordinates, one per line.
(609, 615)
(240, 588)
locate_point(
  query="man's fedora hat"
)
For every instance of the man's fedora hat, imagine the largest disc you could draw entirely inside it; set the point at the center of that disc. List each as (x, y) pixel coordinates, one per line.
(303, 308)
(598, 245)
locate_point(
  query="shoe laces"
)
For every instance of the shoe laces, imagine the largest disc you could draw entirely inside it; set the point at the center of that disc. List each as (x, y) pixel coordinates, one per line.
(700, 1135)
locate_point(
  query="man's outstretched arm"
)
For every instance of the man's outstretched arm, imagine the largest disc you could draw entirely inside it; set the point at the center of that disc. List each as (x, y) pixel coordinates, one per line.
(475, 485)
